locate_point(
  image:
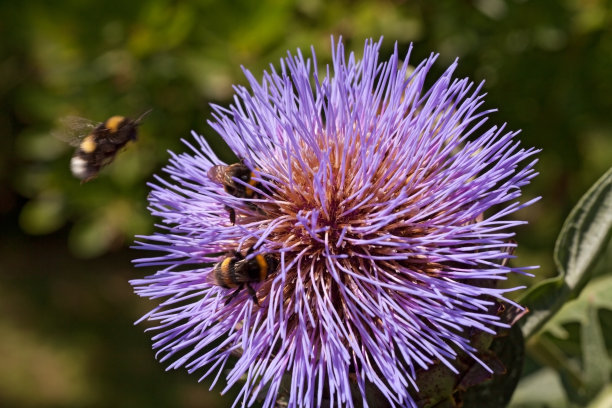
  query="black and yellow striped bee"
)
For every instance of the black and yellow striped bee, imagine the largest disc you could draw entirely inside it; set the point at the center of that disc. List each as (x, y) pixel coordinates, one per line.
(97, 143)
(225, 175)
(236, 271)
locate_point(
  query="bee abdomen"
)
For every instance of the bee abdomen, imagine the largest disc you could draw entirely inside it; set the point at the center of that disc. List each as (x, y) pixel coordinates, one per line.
(262, 268)
(88, 145)
(78, 167)
(81, 168)
(224, 273)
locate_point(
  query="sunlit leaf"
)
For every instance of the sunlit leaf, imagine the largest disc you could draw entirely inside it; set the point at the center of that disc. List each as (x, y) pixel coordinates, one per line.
(596, 294)
(603, 400)
(540, 389)
(585, 381)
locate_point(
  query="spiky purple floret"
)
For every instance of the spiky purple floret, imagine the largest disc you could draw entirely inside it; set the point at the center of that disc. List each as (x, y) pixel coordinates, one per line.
(386, 204)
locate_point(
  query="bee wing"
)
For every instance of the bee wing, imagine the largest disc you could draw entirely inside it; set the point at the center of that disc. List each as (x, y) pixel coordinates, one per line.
(218, 174)
(71, 129)
(211, 277)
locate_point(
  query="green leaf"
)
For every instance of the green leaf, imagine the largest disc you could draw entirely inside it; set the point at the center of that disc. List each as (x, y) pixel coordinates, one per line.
(585, 233)
(595, 294)
(543, 300)
(43, 215)
(583, 236)
(91, 238)
(582, 360)
(596, 364)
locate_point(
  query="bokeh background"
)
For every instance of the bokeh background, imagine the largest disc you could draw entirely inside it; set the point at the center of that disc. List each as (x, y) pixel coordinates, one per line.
(66, 309)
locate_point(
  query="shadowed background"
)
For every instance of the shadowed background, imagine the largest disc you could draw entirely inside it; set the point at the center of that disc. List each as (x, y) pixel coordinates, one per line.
(66, 334)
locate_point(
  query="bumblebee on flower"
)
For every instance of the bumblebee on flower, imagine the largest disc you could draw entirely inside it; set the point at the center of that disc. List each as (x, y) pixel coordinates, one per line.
(370, 195)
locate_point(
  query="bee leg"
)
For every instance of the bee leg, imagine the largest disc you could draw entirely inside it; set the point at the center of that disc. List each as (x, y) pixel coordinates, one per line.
(233, 295)
(252, 293)
(256, 209)
(253, 207)
(232, 214)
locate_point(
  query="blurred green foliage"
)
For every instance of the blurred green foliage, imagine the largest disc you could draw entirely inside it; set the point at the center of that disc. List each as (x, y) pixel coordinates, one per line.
(546, 65)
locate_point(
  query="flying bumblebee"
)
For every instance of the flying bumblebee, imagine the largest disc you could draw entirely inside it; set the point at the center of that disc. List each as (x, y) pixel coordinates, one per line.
(97, 144)
(224, 175)
(235, 271)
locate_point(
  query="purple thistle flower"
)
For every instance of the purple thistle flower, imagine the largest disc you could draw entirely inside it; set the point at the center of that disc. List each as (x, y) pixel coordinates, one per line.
(385, 204)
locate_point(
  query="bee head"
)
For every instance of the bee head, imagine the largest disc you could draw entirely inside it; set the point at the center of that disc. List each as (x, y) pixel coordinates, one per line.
(132, 131)
(240, 171)
(133, 125)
